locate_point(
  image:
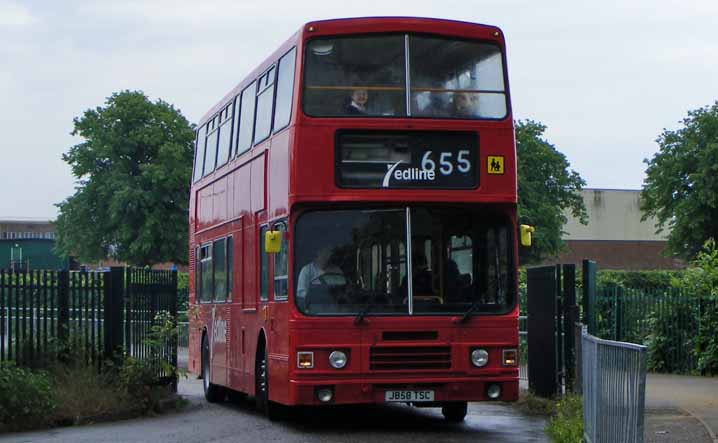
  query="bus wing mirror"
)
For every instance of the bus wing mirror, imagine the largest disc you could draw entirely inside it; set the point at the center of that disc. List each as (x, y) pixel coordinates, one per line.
(272, 242)
(526, 231)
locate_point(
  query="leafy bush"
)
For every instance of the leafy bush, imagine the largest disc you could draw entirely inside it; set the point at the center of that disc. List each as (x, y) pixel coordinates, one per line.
(141, 379)
(669, 340)
(26, 397)
(646, 280)
(182, 280)
(567, 425)
(701, 279)
(138, 379)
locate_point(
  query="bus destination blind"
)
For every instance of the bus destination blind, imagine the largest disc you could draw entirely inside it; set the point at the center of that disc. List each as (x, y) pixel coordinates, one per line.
(413, 160)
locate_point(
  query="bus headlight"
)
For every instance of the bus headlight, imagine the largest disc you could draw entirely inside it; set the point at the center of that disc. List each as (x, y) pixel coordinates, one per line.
(337, 359)
(479, 357)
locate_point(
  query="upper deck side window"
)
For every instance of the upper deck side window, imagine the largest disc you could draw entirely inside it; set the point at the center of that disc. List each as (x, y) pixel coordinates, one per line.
(199, 153)
(285, 90)
(210, 157)
(225, 135)
(248, 119)
(434, 77)
(265, 100)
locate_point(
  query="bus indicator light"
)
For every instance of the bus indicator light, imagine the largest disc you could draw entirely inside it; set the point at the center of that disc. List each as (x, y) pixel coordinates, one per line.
(510, 357)
(305, 360)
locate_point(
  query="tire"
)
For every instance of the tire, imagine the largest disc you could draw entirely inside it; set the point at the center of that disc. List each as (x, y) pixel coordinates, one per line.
(264, 405)
(454, 412)
(212, 392)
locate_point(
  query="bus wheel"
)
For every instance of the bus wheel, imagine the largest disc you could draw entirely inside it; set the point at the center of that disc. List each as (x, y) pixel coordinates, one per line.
(454, 412)
(268, 408)
(212, 392)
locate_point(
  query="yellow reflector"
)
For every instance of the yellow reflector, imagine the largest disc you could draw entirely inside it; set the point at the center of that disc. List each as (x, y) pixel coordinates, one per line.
(305, 360)
(272, 242)
(526, 231)
(510, 357)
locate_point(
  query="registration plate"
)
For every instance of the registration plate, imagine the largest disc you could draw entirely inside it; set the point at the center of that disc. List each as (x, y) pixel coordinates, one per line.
(426, 395)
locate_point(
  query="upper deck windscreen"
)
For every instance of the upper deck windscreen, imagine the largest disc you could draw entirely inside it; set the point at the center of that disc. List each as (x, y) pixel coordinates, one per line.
(372, 76)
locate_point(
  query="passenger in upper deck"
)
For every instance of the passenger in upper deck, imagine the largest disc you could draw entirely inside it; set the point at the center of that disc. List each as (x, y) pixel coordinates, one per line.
(357, 102)
(465, 104)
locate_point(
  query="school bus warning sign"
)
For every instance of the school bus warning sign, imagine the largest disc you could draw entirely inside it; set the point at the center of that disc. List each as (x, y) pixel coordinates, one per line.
(495, 164)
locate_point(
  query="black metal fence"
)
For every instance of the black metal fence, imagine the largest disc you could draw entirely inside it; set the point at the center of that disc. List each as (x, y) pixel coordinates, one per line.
(90, 315)
(667, 319)
(147, 294)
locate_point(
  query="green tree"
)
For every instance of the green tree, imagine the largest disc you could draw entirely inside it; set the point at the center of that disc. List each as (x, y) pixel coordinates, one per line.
(681, 186)
(546, 189)
(134, 170)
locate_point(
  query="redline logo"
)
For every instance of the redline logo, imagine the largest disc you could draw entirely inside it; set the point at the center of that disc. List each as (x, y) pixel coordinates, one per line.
(410, 174)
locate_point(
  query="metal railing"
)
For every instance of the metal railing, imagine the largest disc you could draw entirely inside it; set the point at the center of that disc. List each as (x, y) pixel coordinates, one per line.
(614, 390)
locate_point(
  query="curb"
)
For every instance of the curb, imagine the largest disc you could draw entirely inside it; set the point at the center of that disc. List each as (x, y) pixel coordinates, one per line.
(708, 429)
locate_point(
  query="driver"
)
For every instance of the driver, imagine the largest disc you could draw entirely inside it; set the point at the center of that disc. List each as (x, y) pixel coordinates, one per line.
(311, 271)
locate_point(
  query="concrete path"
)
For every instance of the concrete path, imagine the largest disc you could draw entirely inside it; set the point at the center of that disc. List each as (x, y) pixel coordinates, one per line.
(696, 396)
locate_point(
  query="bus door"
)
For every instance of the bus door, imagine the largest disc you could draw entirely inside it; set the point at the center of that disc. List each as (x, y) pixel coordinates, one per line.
(220, 315)
(277, 317)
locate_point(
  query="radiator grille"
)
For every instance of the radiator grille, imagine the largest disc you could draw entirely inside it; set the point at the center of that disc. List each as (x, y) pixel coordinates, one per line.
(409, 357)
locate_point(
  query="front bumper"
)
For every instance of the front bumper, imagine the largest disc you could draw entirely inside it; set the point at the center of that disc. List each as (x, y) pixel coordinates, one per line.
(303, 392)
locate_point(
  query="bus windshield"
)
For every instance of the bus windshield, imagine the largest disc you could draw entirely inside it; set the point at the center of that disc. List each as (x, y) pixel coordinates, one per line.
(372, 76)
(352, 261)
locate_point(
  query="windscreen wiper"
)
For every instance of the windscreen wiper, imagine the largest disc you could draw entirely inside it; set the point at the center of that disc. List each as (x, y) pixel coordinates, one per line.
(360, 316)
(470, 311)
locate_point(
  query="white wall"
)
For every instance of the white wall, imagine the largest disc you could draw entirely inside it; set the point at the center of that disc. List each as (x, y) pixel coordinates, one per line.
(613, 214)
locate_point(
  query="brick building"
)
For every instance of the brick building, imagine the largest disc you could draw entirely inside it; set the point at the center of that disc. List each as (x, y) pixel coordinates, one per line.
(615, 236)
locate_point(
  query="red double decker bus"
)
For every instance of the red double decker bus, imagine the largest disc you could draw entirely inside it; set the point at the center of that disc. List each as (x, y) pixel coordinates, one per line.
(353, 227)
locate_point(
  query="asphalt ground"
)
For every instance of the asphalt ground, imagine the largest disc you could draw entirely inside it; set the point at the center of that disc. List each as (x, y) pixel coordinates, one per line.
(672, 425)
(691, 401)
(239, 422)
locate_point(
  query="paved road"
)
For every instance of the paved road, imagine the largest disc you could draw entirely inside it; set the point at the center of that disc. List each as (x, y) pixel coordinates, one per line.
(203, 422)
(696, 395)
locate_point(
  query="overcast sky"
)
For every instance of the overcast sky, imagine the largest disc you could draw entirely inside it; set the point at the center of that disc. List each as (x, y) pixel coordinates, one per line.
(604, 77)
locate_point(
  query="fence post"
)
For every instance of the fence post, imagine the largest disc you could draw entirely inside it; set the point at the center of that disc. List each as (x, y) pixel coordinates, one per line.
(589, 295)
(619, 313)
(63, 307)
(113, 327)
(570, 317)
(578, 375)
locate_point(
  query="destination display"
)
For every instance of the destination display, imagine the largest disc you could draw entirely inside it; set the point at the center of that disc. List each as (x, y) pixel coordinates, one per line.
(396, 160)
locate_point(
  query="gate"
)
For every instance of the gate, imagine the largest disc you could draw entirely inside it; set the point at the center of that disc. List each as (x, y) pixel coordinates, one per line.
(552, 312)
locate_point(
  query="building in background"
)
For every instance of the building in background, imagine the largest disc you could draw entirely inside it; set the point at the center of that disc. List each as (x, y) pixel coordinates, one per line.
(27, 243)
(615, 236)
